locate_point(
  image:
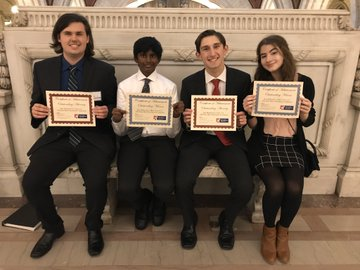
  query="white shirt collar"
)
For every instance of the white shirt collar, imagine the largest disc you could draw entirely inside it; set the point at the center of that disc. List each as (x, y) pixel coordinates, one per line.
(153, 76)
(221, 77)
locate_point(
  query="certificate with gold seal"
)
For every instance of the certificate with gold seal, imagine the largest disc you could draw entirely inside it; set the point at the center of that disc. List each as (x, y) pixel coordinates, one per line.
(149, 110)
(70, 108)
(215, 113)
(277, 99)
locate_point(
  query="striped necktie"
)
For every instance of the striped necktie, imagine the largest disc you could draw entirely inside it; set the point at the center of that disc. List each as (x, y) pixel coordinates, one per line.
(73, 85)
(220, 134)
(134, 133)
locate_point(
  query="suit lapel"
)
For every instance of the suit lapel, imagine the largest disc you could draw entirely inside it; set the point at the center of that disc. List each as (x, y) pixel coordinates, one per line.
(200, 86)
(89, 73)
(229, 83)
(52, 78)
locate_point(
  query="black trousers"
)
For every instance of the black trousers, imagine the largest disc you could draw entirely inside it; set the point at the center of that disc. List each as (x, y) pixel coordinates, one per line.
(158, 154)
(48, 162)
(231, 159)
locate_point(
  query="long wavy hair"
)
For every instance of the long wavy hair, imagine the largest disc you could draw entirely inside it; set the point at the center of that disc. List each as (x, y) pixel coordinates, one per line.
(64, 21)
(287, 70)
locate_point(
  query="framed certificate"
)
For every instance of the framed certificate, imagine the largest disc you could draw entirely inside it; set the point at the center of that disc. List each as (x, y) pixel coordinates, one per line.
(70, 108)
(213, 113)
(277, 99)
(150, 110)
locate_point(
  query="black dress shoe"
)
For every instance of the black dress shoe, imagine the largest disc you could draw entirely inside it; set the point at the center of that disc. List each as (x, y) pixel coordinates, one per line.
(226, 234)
(95, 242)
(188, 237)
(142, 214)
(158, 212)
(44, 244)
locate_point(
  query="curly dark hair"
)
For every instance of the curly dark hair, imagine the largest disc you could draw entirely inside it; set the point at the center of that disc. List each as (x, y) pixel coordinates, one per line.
(145, 44)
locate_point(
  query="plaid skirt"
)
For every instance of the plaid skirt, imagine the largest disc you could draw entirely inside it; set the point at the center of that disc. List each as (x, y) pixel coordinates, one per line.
(280, 152)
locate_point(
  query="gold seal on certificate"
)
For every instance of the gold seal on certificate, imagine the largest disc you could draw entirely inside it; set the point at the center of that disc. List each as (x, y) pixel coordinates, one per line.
(70, 108)
(149, 110)
(216, 113)
(277, 99)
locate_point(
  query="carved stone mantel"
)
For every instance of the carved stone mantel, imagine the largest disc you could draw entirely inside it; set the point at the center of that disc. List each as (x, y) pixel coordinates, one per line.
(175, 19)
(5, 98)
(323, 43)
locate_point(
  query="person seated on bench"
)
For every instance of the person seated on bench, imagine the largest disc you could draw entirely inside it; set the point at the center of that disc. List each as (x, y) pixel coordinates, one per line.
(93, 148)
(149, 147)
(227, 148)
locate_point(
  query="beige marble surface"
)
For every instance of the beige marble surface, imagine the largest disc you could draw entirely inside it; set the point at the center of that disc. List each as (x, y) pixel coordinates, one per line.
(320, 238)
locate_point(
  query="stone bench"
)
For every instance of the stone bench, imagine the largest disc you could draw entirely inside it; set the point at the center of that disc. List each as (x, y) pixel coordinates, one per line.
(211, 173)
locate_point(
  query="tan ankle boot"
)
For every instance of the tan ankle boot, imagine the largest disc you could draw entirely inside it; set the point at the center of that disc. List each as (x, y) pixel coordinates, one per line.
(282, 244)
(268, 244)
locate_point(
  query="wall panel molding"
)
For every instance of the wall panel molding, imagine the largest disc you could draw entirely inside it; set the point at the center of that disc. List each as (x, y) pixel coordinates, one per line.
(193, 19)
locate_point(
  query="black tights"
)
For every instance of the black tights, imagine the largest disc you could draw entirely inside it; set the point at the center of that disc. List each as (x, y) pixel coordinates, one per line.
(283, 189)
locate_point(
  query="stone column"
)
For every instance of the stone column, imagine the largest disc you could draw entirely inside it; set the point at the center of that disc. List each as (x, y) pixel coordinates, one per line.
(349, 177)
(9, 171)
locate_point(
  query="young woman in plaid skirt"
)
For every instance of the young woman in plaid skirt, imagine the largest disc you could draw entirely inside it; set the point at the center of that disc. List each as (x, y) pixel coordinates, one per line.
(276, 148)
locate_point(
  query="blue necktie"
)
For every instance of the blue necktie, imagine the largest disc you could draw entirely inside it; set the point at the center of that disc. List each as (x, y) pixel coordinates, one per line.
(74, 137)
(134, 133)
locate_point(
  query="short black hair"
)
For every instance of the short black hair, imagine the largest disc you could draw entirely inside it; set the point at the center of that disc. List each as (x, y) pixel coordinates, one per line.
(207, 33)
(145, 44)
(64, 21)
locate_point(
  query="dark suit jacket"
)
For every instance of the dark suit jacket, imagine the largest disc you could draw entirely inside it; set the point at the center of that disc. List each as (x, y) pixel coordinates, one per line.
(98, 76)
(237, 83)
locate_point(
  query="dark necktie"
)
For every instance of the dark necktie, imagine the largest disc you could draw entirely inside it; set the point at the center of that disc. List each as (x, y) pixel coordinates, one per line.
(74, 137)
(220, 134)
(134, 133)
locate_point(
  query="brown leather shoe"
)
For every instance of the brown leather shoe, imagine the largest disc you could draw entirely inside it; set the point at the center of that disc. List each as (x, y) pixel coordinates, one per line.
(282, 244)
(268, 244)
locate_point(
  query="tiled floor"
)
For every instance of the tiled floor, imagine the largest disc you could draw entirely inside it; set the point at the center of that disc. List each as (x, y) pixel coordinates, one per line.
(321, 238)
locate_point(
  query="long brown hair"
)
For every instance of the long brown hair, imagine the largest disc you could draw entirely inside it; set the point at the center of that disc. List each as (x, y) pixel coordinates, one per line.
(287, 70)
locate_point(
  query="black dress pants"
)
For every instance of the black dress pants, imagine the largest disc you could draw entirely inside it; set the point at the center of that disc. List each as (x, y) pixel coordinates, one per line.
(159, 155)
(233, 162)
(48, 162)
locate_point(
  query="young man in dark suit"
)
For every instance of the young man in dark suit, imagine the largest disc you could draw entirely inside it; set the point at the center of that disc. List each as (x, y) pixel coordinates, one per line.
(93, 148)
(227, 148)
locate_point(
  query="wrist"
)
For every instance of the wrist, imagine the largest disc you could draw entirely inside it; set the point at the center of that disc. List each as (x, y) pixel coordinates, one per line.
(249, 116)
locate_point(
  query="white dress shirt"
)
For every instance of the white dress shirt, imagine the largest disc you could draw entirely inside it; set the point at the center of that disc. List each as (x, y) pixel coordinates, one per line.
(210, 85)
(158, 85)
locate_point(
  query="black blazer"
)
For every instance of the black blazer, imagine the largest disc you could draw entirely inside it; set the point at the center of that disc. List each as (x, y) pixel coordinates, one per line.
(98, 76)
(255, 142)
(237, 83)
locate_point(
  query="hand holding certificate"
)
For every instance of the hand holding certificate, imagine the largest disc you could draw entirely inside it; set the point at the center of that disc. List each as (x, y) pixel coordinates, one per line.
(150, 110)
(70, 108)
(216, 113)
(277, 99)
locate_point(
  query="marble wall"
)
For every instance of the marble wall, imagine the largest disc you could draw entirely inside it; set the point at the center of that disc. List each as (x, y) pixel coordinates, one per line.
(323, 42)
